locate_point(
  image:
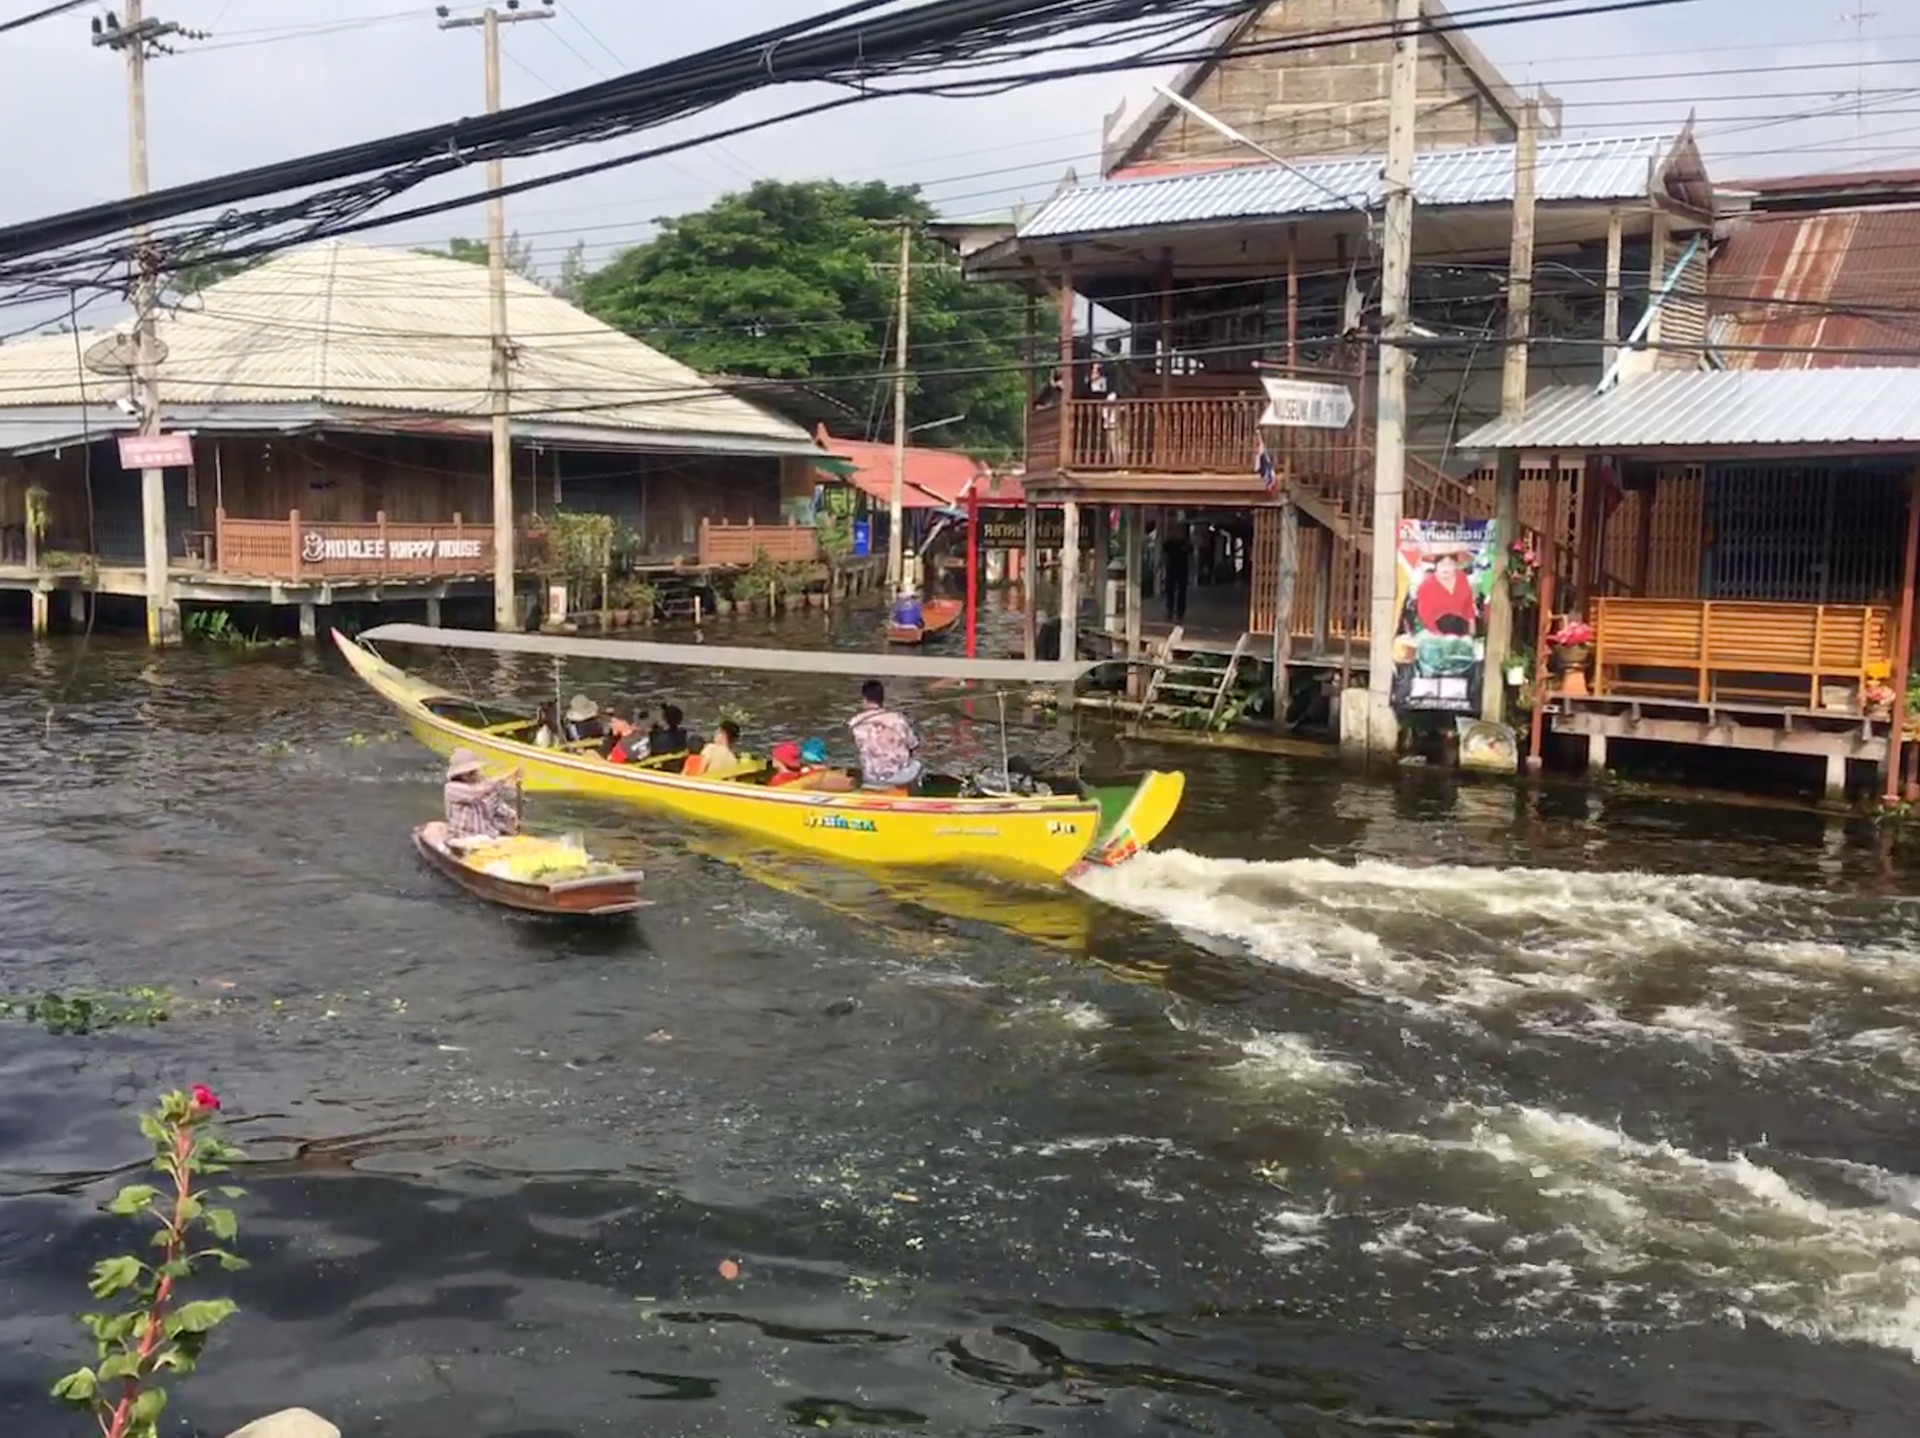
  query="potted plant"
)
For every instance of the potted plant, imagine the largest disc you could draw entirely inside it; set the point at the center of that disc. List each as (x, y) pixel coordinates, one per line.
(1572, 645)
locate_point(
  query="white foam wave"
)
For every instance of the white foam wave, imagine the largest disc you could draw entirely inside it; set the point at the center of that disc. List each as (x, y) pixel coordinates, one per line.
(1595, 1215)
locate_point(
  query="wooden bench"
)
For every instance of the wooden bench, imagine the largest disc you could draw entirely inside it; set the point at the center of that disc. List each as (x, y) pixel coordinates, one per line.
(1707, 650)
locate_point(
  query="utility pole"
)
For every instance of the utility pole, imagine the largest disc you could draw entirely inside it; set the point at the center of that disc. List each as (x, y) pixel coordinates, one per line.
(505, 613)
(1513, 403)
(1382, 730)
(896, 502)
(135, 38)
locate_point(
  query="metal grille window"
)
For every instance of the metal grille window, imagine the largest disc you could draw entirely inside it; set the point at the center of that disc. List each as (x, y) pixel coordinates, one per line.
(1804, 534)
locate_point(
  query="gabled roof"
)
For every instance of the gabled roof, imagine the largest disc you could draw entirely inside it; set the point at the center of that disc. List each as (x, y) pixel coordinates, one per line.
(935, 478)
(1125, 148)
(1703, 410)
(1810, 291)
(396, 332)
(1594, 171)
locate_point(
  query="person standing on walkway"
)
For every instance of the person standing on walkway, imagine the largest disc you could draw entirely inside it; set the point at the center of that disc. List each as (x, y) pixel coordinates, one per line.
(1176, 568)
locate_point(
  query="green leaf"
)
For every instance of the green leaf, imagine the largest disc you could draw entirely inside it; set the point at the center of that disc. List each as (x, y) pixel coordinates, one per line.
(155, 1131)
(201, 1316)
(232, 1192)
(78, 1386)
(134, 1198)
(111, 1275)
(232, 1262)
(120, 1365)
(188, 1209)
(148, 1407)
(110, 1328)
(222, 1224)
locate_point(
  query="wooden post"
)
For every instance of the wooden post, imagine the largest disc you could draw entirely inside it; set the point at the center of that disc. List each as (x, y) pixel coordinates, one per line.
(380, 520)
(1656, 275)
(41, 603)
(1903, 643)
(1069, 595)
(293, 543)
(1513, 404)
(1066, 360)
(1610, 321)
(1549, 563)
(1293, 296)
(1136, 517)
(1029, 581)
(1322, 589)
(1283, 607)
(1166, 321)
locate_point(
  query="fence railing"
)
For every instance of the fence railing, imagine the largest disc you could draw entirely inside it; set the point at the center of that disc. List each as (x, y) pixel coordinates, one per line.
(724, 545)
(296, 548)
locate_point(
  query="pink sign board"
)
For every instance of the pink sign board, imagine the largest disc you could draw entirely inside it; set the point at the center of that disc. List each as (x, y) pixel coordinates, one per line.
(156, 451)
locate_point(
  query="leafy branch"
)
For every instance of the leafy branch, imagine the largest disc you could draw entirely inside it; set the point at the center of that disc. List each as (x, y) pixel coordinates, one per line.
(152, 1334)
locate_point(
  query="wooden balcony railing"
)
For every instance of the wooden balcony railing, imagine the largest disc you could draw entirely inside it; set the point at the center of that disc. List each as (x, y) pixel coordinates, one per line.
(1706, 650)
(726, 545)
(299, 549)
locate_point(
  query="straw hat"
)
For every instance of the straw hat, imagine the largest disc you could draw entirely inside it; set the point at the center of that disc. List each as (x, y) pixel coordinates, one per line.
(814, 751)
(463, 761)
(580, 709)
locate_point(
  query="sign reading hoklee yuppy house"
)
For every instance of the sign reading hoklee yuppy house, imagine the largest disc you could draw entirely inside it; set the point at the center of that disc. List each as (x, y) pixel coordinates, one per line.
(318, 548)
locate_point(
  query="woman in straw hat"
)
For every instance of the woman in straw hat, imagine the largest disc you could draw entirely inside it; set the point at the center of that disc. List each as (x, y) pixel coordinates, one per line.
(479, 807)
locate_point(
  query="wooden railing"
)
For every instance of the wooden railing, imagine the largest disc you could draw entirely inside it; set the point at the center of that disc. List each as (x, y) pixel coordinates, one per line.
(724, 545)
(298, 549)
(1706, 650)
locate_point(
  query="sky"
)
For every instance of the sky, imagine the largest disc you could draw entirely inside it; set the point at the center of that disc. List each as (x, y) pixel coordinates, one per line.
(1779, 86)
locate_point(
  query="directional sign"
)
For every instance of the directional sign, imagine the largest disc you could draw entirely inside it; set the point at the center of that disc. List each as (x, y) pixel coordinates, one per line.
(1305, 404)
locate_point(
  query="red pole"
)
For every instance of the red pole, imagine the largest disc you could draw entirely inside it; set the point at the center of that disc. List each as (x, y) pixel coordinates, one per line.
(973, 566)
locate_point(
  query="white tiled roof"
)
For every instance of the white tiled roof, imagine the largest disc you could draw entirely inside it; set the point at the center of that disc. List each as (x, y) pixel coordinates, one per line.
(397, 331)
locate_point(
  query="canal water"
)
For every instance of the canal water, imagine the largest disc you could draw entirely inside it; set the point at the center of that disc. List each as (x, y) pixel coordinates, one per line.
(1366, 1104)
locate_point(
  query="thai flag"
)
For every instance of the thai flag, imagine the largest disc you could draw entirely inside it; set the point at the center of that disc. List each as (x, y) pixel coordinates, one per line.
(1263, 466)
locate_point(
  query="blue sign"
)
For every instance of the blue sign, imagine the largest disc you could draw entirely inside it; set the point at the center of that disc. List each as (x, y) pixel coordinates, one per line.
(862, 538)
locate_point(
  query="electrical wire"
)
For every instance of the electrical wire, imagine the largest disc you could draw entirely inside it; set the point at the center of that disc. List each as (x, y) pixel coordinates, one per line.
(46, 12)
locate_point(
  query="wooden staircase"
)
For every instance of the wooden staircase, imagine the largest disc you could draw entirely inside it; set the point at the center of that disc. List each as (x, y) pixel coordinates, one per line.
(1185, 690)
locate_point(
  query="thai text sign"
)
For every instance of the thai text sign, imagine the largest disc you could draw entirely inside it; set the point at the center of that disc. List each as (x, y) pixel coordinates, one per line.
(318, 548)
(1002, 527)
(156, 451)
(1442, 579)
(1304, 404)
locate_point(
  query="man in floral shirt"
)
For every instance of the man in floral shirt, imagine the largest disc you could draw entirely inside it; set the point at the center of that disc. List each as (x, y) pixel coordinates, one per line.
(886, 742)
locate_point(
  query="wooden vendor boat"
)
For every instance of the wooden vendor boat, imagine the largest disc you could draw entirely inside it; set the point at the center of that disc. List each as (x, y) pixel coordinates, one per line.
(536, 876)
(937, 617)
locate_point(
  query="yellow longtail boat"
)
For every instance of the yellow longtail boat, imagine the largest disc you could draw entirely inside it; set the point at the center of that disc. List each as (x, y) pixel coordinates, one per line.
(1020, 836)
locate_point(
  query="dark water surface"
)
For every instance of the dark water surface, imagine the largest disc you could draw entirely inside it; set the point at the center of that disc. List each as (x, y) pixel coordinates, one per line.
(1366, 1105)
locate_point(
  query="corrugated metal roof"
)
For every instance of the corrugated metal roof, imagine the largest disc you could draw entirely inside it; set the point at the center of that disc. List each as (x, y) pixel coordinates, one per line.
(1708, 409)
(1819, 285)
(1570, 170)
(395, 330)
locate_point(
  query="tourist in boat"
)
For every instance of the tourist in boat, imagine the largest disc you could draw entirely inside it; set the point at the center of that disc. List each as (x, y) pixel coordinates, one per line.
(886, 741)
(670, 737)
(907, 613)
(815, 773)
(635, 744)
(584, 723)
(546, 728)
(478, 807)
(788, 767)
(720, 757)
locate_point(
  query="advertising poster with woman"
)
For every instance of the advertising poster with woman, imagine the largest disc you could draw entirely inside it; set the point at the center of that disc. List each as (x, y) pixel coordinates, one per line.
(1440, 648)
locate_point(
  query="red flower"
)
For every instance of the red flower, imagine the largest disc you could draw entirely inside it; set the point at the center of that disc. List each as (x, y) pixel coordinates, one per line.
(205, 1098)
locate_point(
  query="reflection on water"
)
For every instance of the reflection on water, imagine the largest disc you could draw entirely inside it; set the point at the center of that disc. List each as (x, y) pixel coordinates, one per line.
(1405, 1103)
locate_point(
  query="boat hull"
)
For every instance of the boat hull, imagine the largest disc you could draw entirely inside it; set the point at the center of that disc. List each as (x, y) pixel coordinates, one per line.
(937, 616)
(1026, 838)
(599, 897)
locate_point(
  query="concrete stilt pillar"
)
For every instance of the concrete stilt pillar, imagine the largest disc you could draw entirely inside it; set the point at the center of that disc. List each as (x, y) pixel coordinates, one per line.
(42, 604)
(309, 621)
(433, 613)
(77, 607)
(1836, 776)
(1596, 753)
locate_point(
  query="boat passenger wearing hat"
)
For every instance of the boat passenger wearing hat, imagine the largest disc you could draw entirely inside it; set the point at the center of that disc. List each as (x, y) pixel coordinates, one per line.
(478, 807)
(584, 721)
(907, 613)
(805, 767)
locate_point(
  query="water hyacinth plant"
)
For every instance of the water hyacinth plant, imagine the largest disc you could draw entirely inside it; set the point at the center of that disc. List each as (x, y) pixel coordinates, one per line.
(152, 1333)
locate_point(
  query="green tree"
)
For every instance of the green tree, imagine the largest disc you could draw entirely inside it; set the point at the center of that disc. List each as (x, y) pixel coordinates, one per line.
(474, 252)
(797, 281)
(192, 278)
